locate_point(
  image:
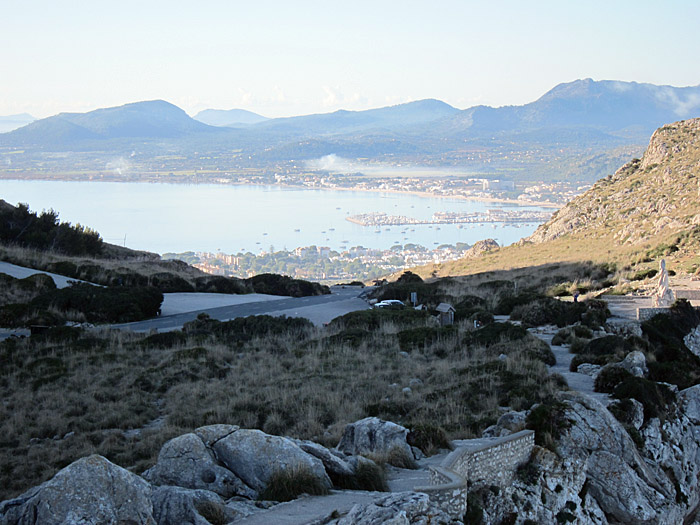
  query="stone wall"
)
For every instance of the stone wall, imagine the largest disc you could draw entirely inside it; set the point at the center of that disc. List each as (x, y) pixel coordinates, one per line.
(492, 461)
(448, 490)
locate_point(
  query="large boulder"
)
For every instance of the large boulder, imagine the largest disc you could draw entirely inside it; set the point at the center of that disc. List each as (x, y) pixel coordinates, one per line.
(89, 491)
(400, 508)
(254, 457)
(185, 461)
(334, 465)
(635, 363)
(189, 507)
(374, 436)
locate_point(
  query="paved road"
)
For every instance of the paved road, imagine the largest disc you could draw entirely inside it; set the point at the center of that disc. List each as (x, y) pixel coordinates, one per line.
(341, 300)
(20, 272)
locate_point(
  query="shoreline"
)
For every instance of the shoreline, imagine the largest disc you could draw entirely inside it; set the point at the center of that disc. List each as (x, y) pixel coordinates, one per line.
(424, 194)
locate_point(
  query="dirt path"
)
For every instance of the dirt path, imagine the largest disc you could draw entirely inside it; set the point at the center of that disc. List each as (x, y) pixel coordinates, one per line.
(314, 509)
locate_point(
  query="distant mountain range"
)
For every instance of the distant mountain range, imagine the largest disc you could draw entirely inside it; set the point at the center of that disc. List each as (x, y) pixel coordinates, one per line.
(228, 117)
(12, 122)
(580, 129)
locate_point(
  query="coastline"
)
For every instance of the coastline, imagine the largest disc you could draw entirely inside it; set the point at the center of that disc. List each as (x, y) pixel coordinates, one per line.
(424, 194)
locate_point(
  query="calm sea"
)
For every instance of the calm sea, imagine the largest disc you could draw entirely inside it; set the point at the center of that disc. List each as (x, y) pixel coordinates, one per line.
(210, 217)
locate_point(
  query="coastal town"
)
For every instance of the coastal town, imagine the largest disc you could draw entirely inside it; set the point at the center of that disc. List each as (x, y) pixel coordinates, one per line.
(321, 263)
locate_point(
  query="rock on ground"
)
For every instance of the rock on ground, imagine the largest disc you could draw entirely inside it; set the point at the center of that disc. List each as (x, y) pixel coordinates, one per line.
(89, 491)
(255, 456)
(185, 461)
(177, 505)
(374, 436)
(400, 508)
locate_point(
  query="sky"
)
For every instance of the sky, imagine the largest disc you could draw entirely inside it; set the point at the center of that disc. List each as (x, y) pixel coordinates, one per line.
(284, 58)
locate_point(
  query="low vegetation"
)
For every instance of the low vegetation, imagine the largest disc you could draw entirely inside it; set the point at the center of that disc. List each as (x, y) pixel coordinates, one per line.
(21, 227)
(70, 392)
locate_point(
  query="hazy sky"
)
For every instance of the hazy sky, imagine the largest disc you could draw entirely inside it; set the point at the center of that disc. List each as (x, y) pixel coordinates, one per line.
(291, 57)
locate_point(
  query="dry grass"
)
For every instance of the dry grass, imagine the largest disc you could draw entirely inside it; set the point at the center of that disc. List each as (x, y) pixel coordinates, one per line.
(109, 393)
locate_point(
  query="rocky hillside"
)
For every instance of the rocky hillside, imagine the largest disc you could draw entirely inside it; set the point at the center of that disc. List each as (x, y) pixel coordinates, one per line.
(647, 210)
(657, 195)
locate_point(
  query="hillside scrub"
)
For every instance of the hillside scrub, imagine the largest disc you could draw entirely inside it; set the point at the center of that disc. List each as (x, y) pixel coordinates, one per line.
(84, 302)
(128, 268)
(44, 231)
(69, 392)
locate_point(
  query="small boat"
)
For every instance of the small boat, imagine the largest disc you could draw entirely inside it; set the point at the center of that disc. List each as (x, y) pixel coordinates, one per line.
(331, 229)
(297, 230)
(264, 233)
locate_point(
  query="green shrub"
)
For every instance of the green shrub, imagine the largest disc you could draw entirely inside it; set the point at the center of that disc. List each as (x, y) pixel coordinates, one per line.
(418, 338)
(482, 316)
(601, 360)
(290, 483)
(548, 420)
(507, 303)
(609, 377)
(428, 438)
(399, 457)
(22, 227)
(366, 476)
(675, 363)
(644, 274)
(104, 305)
(273, 284)
(495, 333)
(374, 318)
(164, 340)
(609, 344)
(409, 278)
(568, 334)
(214, 513)
(351, 336)
(656, 398)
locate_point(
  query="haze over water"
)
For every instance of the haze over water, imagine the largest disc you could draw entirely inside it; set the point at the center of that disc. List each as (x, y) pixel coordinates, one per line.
(209, 217)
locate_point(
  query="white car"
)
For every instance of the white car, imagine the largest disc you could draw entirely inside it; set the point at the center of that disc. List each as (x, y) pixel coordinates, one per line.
(389, 303)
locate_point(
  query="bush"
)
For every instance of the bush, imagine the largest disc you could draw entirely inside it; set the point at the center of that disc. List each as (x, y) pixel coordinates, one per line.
(289, 483)
(367, 476)
(374, 318)
(409, 278)
(495, 333)
(421, 337)
(103, 305)
(273, 284)
(675, 363)
(428, 438)
(548, 420)
(242, 329)
(656, 398)
(568, 334)
(609, 344)
(609, 377)
(549, 311)
(45, 232)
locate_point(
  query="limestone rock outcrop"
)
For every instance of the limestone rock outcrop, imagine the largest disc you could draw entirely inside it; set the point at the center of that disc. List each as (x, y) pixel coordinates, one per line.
(400, 508)
(195, 507)
(185, 461)
(374, 436)
(254, 457)
(89, 491)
